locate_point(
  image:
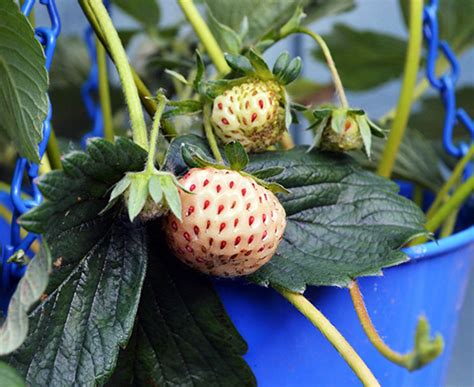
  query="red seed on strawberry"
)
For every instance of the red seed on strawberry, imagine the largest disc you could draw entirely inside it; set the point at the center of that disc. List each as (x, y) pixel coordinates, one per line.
(225, 241)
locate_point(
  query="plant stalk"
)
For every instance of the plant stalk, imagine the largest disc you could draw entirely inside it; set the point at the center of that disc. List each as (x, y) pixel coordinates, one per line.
(96, 10)
(150, 163)
(370, 330)
(412, 63)
(53, 152)
(205, 35)
(104, 92)
(329, 60)
(211, 139)
(332, 334)
(453, 179)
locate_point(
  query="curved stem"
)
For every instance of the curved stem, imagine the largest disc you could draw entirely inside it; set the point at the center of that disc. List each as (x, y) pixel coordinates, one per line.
(412, 62)
(205, 35)
(211, 139)
(369, 328)
(330, 62)
(96, 10)
(150, 163)
(453, 179)
(53, 152)
(104, 92)
(332, 334)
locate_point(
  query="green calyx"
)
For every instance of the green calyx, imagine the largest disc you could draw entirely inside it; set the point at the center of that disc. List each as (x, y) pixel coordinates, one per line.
(150, 194)
(237, 160)
(342, 130)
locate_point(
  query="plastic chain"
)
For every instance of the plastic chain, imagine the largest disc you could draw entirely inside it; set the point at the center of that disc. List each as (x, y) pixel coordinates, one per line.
(12, 272)
(90, 88)
(446, 85)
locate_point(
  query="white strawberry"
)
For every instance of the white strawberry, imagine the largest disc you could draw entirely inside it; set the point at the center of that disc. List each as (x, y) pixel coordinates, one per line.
(230, 226)
(251, 113)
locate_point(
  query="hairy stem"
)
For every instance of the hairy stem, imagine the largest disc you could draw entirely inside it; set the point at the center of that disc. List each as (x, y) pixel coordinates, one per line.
(453, 179)
(211, 139)
(412, 62)
(330, 62)
(104, 92)
(370, 330)
(95, 10)
(150, 163)
(53, 152)
(205, 35)
(333, 335)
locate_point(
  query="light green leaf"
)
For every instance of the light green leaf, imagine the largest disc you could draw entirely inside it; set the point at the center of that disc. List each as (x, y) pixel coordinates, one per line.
(147, 12)
(99, 266)
(154, 187)
(120, 187)
(23, 82)
(365, 59)
(228, 39)
(171, 194)
(338, 120)
(365, 133)
(30, 288)
(9, 377)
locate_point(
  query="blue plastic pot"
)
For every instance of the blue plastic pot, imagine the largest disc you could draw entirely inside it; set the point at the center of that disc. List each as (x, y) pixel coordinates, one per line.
(286, 350)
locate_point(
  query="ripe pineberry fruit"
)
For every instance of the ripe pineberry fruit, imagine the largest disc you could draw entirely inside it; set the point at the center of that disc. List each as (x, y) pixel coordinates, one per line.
(250, 113)
(231, 225)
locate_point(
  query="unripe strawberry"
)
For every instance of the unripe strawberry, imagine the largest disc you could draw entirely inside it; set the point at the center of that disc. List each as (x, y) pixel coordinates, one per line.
(348, 139)
(250, 113)
(230, 225)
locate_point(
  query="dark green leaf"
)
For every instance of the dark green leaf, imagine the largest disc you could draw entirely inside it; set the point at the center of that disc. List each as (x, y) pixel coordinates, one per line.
(343, 222)
(236, 155)
(200, 71)
(183, 107)
(365, 59)
(194, 157)
(177, 158)
(14, 329)
(227, 38)
(183, 334)
(317, 9)
(261, 68)
(291, 72)
(99, 268)
(147, 12)
(417, 160)
(268, 172)
(23, 82)
(281, 63)
(9, 377)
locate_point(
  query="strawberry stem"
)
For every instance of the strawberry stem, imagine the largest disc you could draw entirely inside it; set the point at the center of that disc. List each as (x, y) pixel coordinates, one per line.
(155, 130)
(96, 11)
(211, 139)
(104, 92)
(409, 360)
(332, 334)
(412, 63)
(205, 35)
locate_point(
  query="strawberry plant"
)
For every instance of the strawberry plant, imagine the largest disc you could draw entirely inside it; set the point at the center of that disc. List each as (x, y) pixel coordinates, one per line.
(134, 230)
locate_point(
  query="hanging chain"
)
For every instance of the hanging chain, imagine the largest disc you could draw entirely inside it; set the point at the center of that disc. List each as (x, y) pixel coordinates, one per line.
(446, 85)
(11, 272)
(90, 88)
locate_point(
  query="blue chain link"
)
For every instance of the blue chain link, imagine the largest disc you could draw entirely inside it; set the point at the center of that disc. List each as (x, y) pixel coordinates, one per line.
(446, 85)
(90, 88)
(12, 272)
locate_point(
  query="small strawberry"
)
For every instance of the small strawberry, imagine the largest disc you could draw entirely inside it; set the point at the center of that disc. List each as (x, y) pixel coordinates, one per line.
(251, 113)
(230, 224)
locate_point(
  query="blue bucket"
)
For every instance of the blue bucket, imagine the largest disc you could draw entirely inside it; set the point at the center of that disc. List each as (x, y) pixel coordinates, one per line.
(286, 350)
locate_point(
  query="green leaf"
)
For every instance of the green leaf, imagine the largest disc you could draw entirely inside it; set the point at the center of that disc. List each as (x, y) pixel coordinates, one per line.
(281, 64)
(365, 133)
(183, 335)
(183, 107)
(294, 22)
(99, 268)
(194, 157)
(317, 9)
(23, 82)
(236, 155)
(9, 377)
(146, 12)
(138, 195)
(417, 160)
(261, 68)
(14, 329)
(365, 59)
(291, 72)
(338, 120)
(268, 172)
(343, 222)
(239, 63)
(120, 187)
(154, 187)
(229, 41)
(171, 194)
